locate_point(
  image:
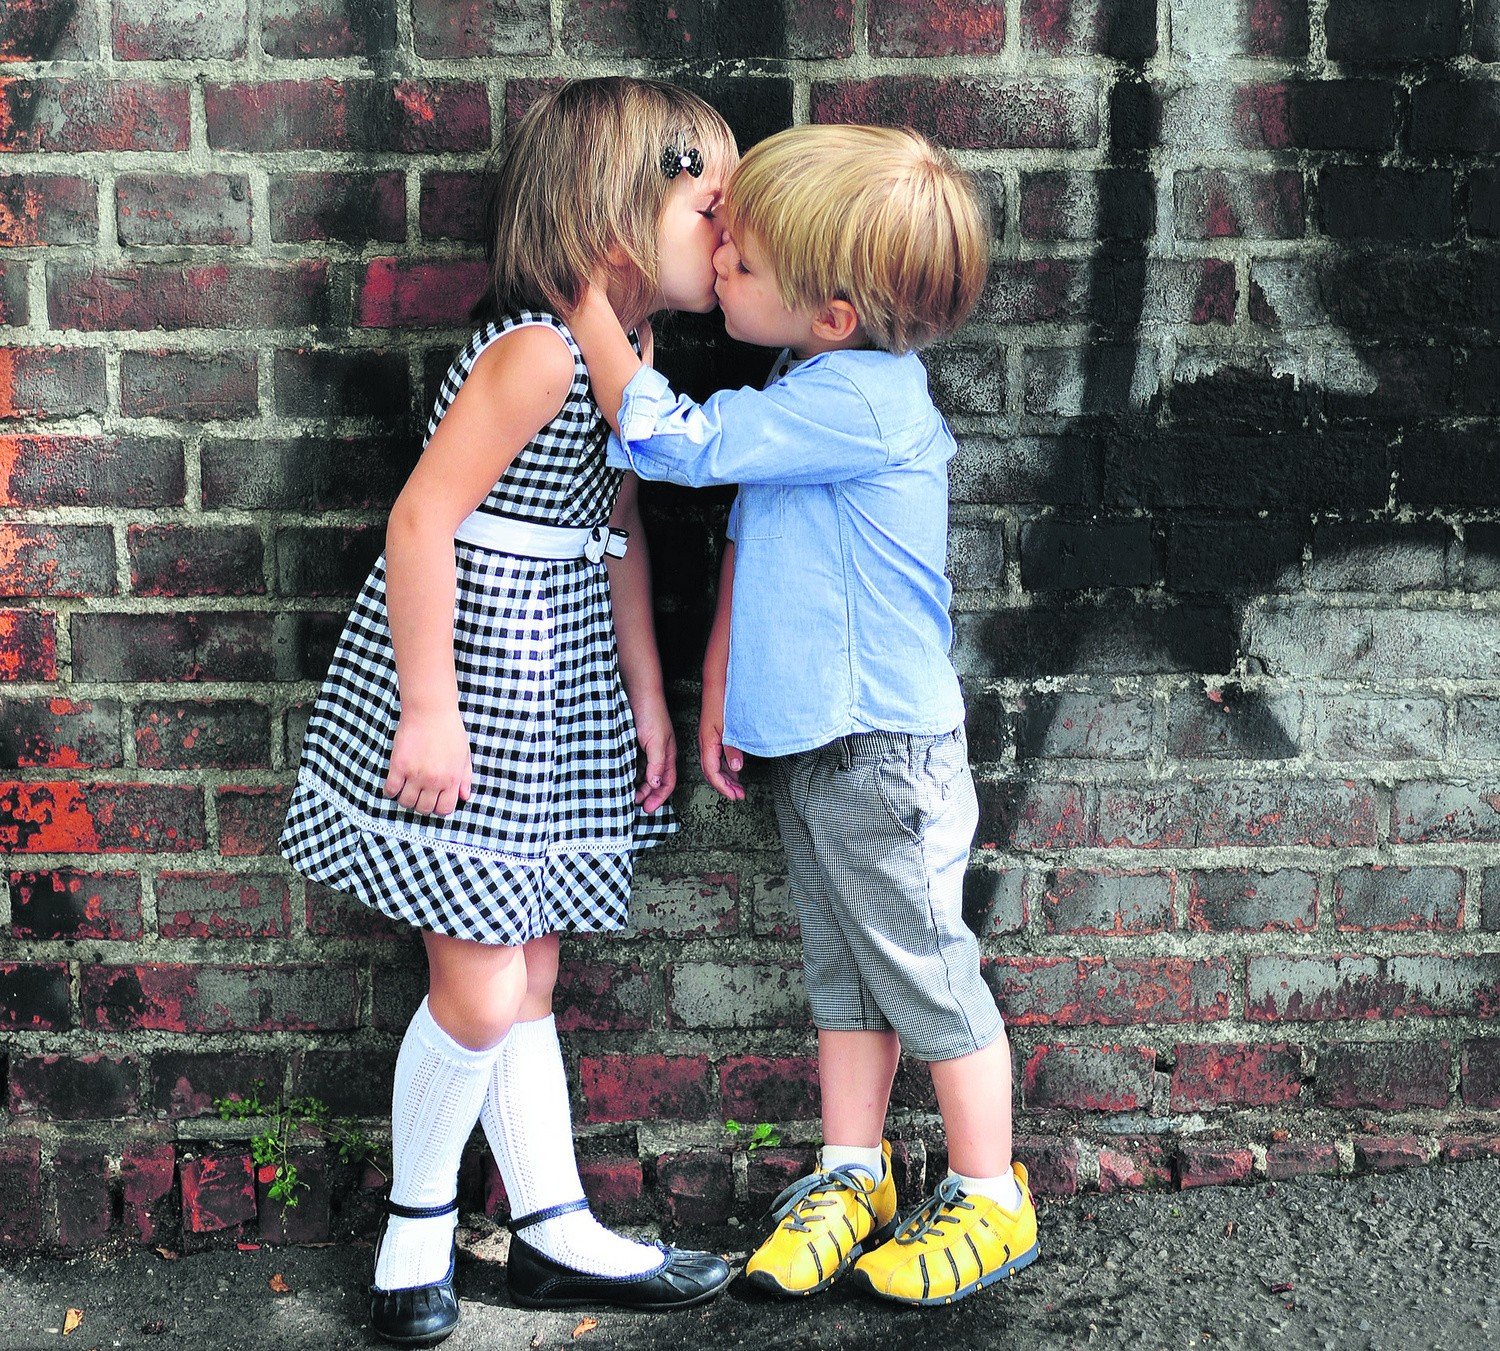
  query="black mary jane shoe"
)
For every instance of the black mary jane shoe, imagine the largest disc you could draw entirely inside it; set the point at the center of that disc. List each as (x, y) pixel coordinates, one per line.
(417, 1315)
(680, 1280)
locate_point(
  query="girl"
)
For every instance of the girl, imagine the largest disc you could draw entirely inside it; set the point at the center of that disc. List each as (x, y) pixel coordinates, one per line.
(470, 765)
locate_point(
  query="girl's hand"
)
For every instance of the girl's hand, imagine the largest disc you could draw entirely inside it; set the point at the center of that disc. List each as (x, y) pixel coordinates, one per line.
(430, 768)
(659, 742)
(721, 764)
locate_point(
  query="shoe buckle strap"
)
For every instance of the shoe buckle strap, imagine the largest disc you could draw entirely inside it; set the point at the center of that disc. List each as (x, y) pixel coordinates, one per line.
(420, 1212)
(550, 1213)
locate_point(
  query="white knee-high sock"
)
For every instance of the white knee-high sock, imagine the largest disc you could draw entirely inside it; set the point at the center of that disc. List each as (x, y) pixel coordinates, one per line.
(530, 1129)
(439, 1091)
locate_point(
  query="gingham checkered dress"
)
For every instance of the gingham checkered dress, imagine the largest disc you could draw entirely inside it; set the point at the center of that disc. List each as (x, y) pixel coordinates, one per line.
(545, 842)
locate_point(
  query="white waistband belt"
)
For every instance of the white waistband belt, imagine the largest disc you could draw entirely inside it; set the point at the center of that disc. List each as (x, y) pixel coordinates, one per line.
(528, 539)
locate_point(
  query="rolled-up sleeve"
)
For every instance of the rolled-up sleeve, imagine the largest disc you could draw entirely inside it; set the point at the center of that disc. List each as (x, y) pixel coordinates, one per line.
(815, 426)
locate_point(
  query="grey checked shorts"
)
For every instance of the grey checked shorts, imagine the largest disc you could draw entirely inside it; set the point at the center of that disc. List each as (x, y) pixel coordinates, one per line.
(877, 828)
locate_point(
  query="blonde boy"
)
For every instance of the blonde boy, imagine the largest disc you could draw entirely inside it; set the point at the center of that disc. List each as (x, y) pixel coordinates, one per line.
(850, 247)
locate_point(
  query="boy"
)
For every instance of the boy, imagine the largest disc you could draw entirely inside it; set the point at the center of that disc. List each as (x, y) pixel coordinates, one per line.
(850, 247)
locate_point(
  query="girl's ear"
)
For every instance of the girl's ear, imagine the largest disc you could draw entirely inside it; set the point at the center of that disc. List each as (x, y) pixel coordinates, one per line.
(837, 321)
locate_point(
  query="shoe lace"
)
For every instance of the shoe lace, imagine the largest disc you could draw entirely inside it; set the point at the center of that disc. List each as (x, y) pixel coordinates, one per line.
(803, 1199)
(941, 1207)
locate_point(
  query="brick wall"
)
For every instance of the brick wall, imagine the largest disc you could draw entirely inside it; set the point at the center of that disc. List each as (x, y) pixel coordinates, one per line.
(1227, 523)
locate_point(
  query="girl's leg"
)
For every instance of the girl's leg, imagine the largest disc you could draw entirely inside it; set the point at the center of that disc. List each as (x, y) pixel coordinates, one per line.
(442, 1071)
(530, 1128)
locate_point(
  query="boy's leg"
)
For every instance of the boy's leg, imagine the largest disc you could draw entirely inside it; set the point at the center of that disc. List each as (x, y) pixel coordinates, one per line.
(855, 1073)
(974, 1098)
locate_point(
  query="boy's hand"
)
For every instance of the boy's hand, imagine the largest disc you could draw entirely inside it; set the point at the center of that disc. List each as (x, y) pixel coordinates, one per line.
(721, 764)
(653, 728)
(430, 768)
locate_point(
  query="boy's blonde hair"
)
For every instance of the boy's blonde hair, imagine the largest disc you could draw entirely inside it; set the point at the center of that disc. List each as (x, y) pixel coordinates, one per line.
(580, 176)
(876, 216)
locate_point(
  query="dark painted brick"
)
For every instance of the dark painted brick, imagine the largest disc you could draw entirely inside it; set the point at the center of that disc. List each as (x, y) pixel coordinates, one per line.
(1051, 1163)
(1398, 900)
(644, 1087)
(308, 1220)
(696, 31)
(77, 471)
(1224, 557)
(314, 28)
(188, 386)
(47, 209)
(1124, 30)
(147, 1172)
(1462, 118)
(1418, 296)
(34, 997)
(1230, 722)
(99, 818)
(21, 1208)
(604, 996)
(1358, 727)
(1107, 204)
(329, 383)
(1299, 1158)
(410, 116)
(1108, 904)
(1385, 1154)
(56, 560)
(69, 1088)
(1318, 115)
(936, 27)
(311, 473)
(28, 645)
(968, 113)
(763, 1088)
(1410, 382)
(84, 1209)
(1023, 469)
(327, 561)
(1215, 1074)
(185, 1083)
(330, 914)
(418, 293)
(250, 819)
(346, 206)
(1386, 204)
(995, 901)
(84, 113)
(1388, 1076)
(1235, 813)
(1480, 1065)
(1241, 901)
(222, 905)
(59, 734)
(1036, 291)
(1466, 474)
(452, 205)
(273, 295)
(1487, 30)
(1040, 991)
(1208, 1165)
(352, 1083)
(1391, 30)
(967, 379)
(1089, 1078)
(69, 904)
(1484, 202)
(175, 209)
(1477, 385)
(1084, 726)
(175, 997)
(1442, 813)
(217, 645)
(172, 30)
(191, 560)
(698, 1186)
(465, 28)
(1224, 204)
(43, 30)
(1065, 555)
(51, 382)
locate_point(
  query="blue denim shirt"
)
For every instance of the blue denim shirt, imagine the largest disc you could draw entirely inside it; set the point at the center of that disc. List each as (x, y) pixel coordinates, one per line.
(840, 616)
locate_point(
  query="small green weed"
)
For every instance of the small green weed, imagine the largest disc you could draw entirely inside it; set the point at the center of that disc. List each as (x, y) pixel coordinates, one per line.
(763, 1135)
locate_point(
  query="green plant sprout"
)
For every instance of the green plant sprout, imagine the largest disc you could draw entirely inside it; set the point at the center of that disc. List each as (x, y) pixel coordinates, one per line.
(763, 1135)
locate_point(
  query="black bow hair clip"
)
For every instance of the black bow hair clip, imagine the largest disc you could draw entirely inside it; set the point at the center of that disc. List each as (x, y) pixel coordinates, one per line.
(674, 161)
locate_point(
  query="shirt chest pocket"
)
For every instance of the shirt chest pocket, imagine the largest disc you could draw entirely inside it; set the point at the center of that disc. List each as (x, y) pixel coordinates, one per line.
(762, 513)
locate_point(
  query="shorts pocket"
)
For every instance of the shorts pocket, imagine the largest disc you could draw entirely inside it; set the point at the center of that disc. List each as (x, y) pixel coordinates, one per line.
(906, 797)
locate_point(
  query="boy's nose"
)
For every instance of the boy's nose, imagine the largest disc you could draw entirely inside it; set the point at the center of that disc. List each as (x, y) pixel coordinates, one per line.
(721, 259)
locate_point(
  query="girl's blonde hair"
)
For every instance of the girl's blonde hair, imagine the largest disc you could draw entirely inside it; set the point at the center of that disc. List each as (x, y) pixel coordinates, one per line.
(581, 176)
(875, 216)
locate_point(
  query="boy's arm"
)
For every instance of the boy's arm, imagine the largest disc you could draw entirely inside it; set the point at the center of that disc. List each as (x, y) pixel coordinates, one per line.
(721, 763)
(607, 352)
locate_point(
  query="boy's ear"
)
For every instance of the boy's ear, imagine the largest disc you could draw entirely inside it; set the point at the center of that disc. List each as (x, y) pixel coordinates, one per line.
(837, 321)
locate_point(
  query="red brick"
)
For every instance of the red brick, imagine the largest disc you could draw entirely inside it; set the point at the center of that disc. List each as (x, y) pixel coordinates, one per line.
(936, 27)
(756, 1088)
(21, 1195)
(77, 471)
(969, 113)
(84, 1209)
(615, 1186)
(330, 914)
(185, 1083)
(1385, 1154)
(222, 905)
(769, 1172)
(1216, 1074)
(189, 560)
(1044, 816)
(1108, 904)
(645, 1087)
(454, 29)
(453, 205)
(411, 293)
(69, 904)
(1480, 1066)
(409, 116)
(697, 1186)
(28, 645)
(1110, 204)
(1035, 291)
(1089, 1078)
(1237, 813)
(174, 997)
(203, 734)
(1389, 1076)
(1132, 1163)
(218, 1192)
(205, 295)
(250, 819)
(34, 997)
(1298, 1158)
(146, 1177)
(57, 560)
(43, 30)
(308, 1220)
(172, 209)
(1241, 901)
(1063, 991)
(1051, 1164)
(1219, 204)
(188, 386)
(47, 209)
(99, 818)
(71, 115)
(180, 30)
(346, 206)
(74, 1088)
(58, 734)
(310, 28)
(615, 28)
(1466, 1148)
(603, 996)
(182, 645)
(1398, 900)
(1206, 1165)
